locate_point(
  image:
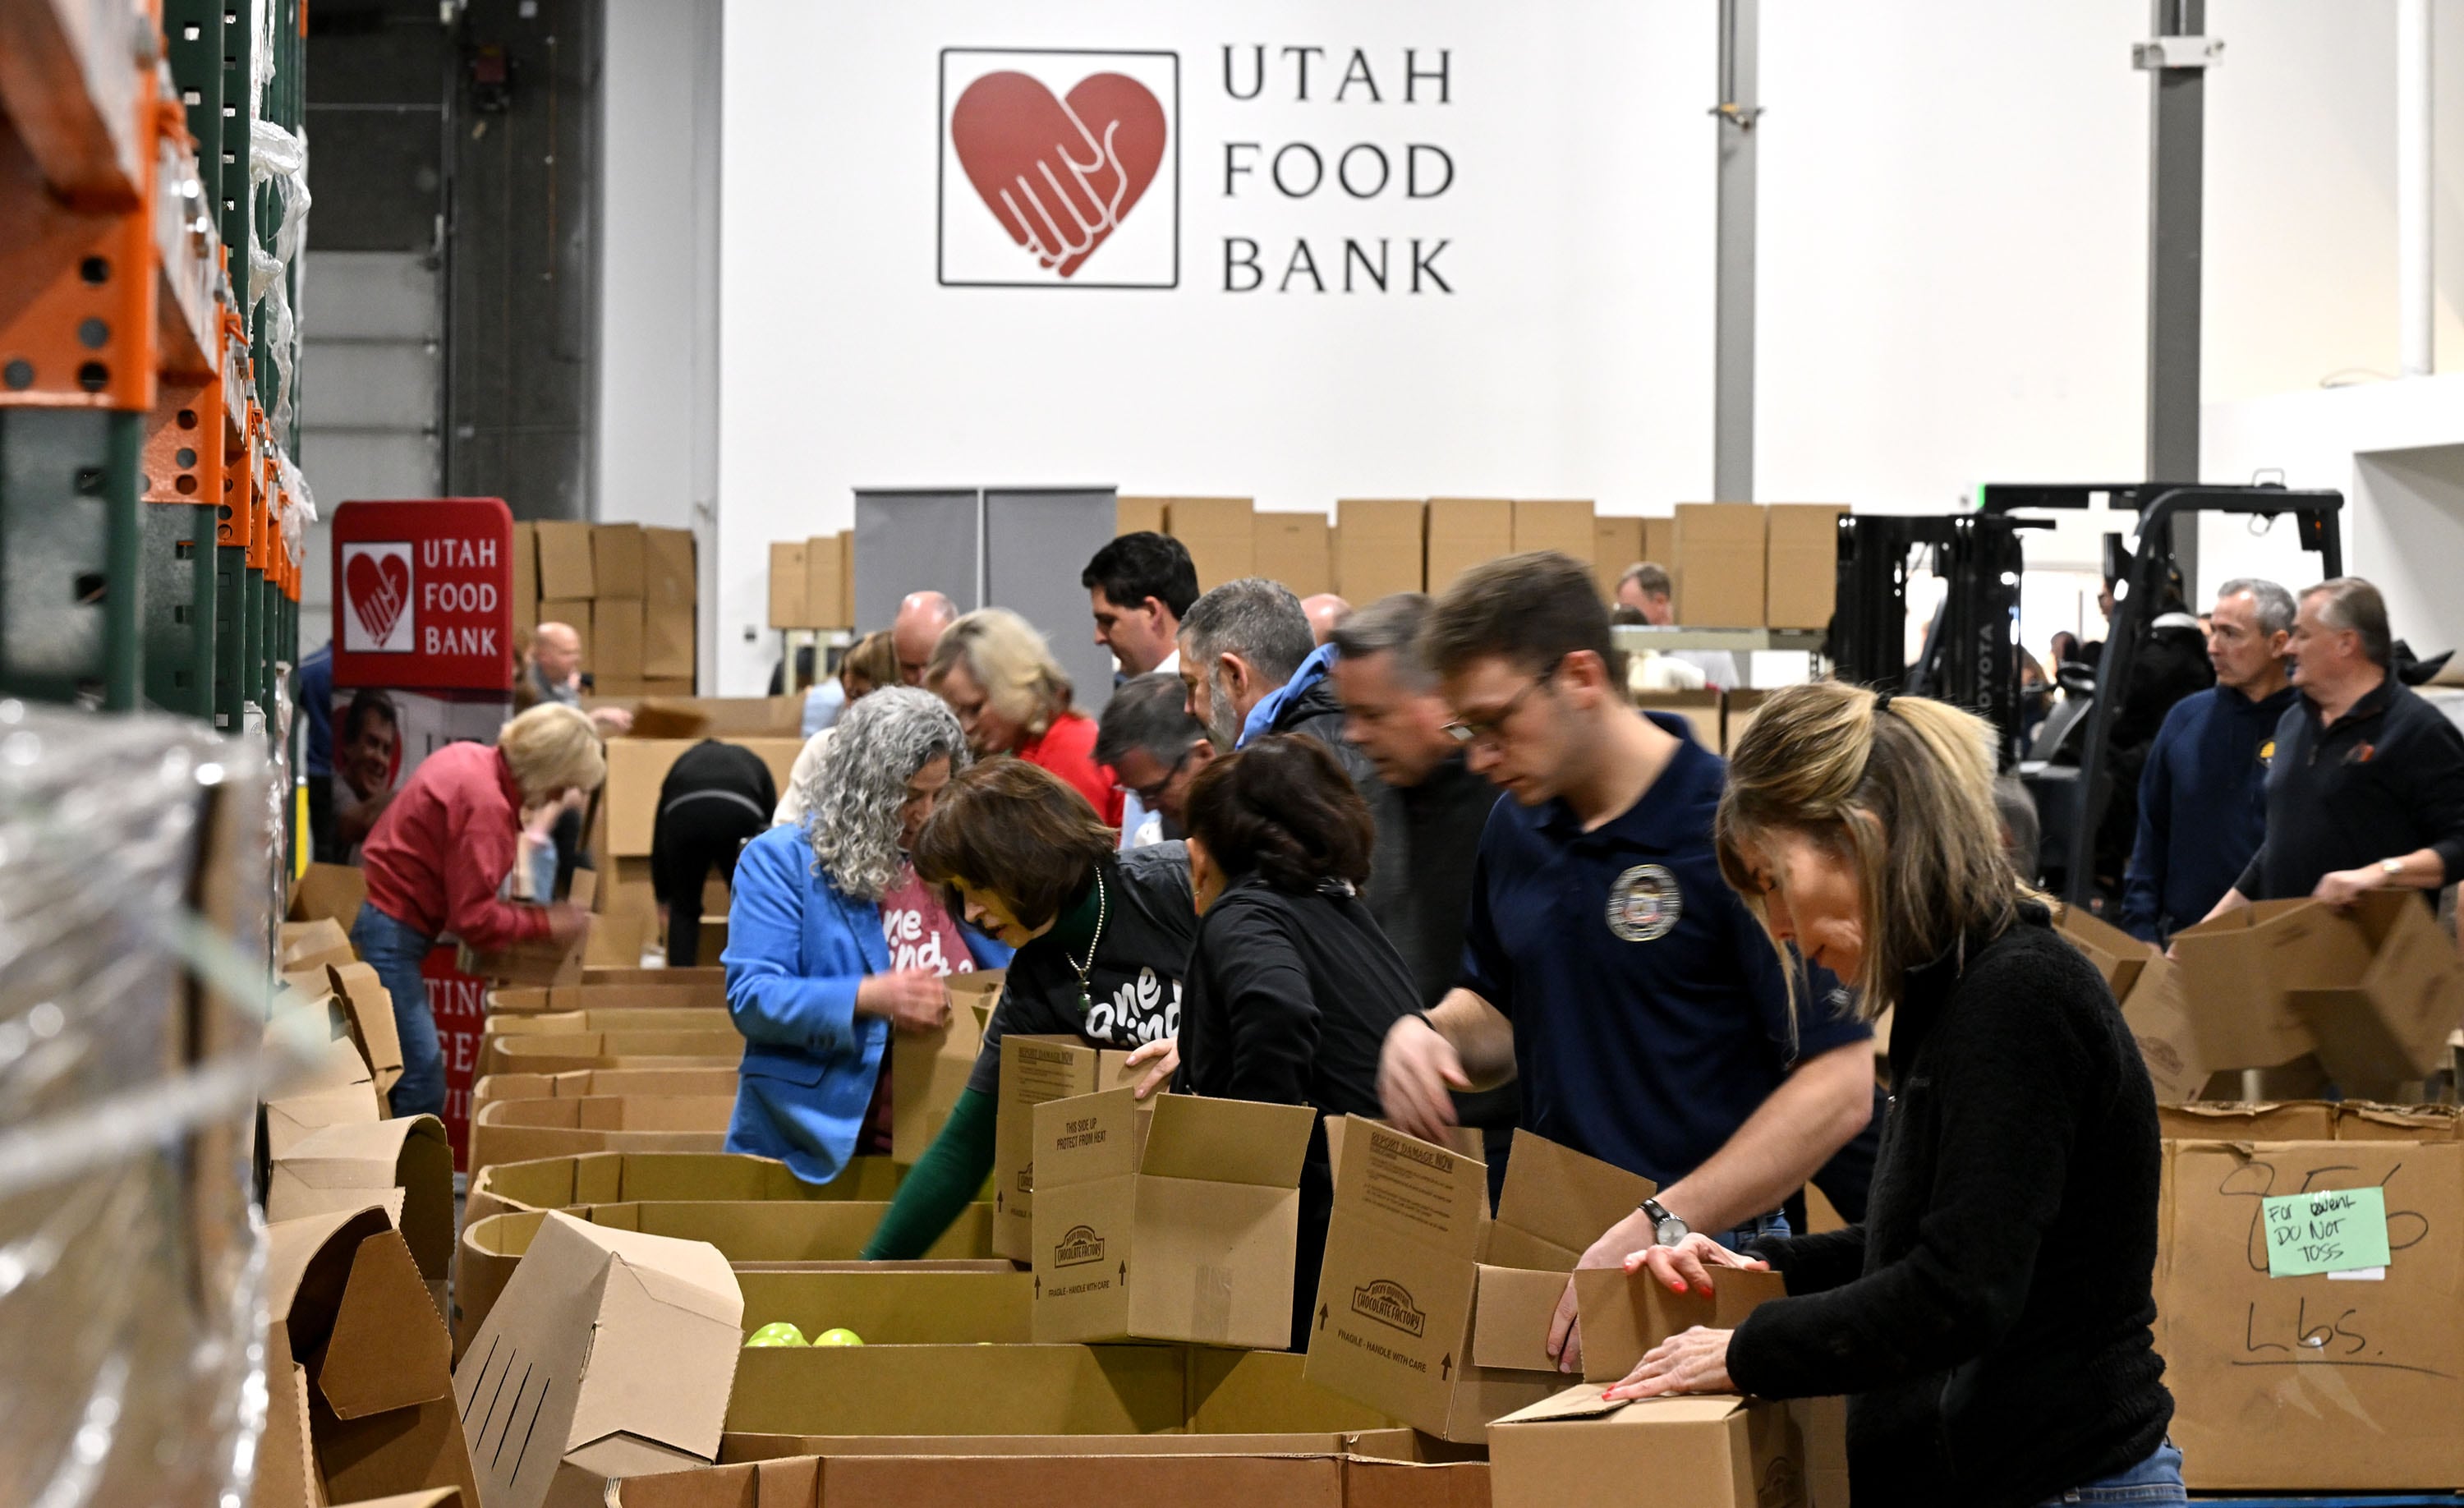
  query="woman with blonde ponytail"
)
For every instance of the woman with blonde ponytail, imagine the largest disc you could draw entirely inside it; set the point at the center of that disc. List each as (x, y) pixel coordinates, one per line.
(1991, 1318)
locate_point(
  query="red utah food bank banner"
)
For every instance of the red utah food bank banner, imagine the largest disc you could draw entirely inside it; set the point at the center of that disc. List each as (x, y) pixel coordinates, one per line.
(423, 657)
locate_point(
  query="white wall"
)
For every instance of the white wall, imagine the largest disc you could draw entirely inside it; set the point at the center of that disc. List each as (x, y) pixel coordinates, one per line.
(1953, 285)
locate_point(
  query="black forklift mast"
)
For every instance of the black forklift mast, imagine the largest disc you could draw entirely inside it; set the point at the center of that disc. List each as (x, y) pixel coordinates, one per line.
(2159, 504)
(1971, 656)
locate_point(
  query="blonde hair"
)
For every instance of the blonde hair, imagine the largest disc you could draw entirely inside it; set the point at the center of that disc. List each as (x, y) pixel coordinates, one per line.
(1902, 789)
(553, 746)
(873, 658)
(1010, 661)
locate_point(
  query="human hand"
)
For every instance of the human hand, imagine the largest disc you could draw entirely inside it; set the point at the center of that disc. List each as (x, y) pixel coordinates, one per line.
(1164, 1052)
(912, 1000)
(611, 720)
(566, 921)
(1696, 1362)
(1689, 1263)
(1565, 1329)
(1415, 1070)
(2344, 887)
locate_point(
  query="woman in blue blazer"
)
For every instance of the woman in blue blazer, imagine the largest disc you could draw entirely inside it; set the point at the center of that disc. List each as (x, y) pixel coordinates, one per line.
(833, 942)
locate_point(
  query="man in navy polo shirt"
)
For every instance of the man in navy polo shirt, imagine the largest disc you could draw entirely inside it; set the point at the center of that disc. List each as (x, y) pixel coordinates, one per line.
(1606, 964)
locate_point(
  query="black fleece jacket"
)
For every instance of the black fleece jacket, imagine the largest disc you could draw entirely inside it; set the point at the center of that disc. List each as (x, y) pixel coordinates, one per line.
(1991, 1319)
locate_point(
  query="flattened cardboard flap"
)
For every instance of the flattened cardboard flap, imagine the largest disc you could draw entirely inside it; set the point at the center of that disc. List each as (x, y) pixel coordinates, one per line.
(1564, 1197)
(388, 1349)
(1087, 1137)
(433, 1497)
(1585, 1402)
(1429, 1193)
(307, 1261)
(1227, 1141)
(1625, 1314)
(344, 1166)
(369, 1005)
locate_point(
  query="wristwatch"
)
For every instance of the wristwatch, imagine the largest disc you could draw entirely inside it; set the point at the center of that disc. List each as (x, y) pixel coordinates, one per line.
(1665, 1228)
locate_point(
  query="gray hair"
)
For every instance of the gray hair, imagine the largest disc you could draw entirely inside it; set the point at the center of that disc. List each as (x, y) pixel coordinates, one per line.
(2275, 604)
(2354, 605)
(1258, 620)
(1147, 711)
(1390, 625)
(858, 784)
(1649, 577)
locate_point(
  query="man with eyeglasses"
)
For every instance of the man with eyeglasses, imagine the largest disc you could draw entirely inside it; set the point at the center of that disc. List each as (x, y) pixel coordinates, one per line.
(1156, 749)
(1606, 963)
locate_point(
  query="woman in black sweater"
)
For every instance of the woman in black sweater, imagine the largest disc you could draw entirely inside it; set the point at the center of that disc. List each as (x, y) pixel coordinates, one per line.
(1291, 985)
(1991, 1318)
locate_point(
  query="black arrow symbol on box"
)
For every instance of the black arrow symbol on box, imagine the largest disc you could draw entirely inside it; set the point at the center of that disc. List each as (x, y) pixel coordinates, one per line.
(1125, 1274)
(997, 1197)
(1039, 1285)
(1321, 1317)
(1446, 1368)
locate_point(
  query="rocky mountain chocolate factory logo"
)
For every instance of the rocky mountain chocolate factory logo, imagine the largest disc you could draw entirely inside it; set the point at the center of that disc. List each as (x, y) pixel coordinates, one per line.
(1389, 1303)
(1079, 1246)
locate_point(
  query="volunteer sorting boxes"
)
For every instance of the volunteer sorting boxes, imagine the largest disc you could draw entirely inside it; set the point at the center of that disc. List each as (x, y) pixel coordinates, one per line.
(1102, 941)
(1990, 1319)
(1605, 962)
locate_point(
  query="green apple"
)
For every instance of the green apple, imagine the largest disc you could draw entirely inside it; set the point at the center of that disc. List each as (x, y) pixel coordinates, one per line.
(838, 1338)
(778, 1333)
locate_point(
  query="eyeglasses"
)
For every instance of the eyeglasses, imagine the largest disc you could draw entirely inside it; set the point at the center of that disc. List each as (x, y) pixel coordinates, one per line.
(1463, 732)
(1149, 795)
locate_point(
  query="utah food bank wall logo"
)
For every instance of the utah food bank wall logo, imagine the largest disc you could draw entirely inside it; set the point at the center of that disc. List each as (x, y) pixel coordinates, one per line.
(1060, 169)
(376, 586)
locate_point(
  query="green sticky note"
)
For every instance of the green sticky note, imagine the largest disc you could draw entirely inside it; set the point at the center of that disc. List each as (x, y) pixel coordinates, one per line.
(2327, 1231)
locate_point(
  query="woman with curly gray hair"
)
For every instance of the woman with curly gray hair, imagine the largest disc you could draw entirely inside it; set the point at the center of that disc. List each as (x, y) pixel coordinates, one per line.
(833, 942)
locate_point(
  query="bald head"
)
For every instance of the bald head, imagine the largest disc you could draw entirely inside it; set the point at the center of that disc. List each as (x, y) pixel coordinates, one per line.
(1326, 614)
(557, 650)
(921, 618)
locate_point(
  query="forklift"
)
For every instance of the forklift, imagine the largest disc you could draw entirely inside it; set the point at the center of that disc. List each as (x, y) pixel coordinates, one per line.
(1971, 654)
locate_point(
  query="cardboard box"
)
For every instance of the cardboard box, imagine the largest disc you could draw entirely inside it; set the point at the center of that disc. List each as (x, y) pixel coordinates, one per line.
(356, 1366)
(618, 564)
(312, 944)
(333, 1089)
(593, 1178)
(2297, 1120)
(1171, 1220)
(572, 612)
(960, 1389)
(1034, 1069)
(638, 767)
(824, 607)
(526, 578)
(847, 574)
(2314, 1383)
(670, 605)
(331, 892)
(709, 977)
(1379, 546)
(525, 1130)
(1719, 568)
(404, 1167)
(1218, 531)
(893, 1307)
(2149, 987)
(1388, 1447)
(1625, 1314)
(603, 1333)
(1738, 709)
(1464, 532)
(626, 987)
(1802, 579)
(1296, 548)
(368, 1005)
(1138, 514)
(563, 1052)
(927, 1072)
(1559, 526)
(1615, 544)
(1660, 543)
(1702, 711)
(603, 1083)
(2357, 1121)
(615, 639)
(1413, 1261)
(1575, 1450)
(1267, 1393)
(566, 562)
(788, 584)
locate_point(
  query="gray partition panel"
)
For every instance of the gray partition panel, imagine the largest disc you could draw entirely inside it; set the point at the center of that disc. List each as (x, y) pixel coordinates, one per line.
(917, 540)
(1037, 540)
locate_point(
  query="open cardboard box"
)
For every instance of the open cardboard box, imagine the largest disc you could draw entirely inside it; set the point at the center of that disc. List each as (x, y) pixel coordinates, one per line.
(1308, 1472)
(1170, 1220)
(557, 1182)
(331, 892)
(929, 1070)
(893, 1306)
(405, 1166)
(358, 1369)
(1432, 1312)
(1624, 1314)
(368, 1006)
(335, 1090)
(605, 1333)
(1034, 1069)
(2147, 986)
(960, 1390)
(1711, 1451)
(525, 1130)
(565, 1052)
(683, 988)
(312, 944)
(584, 1083)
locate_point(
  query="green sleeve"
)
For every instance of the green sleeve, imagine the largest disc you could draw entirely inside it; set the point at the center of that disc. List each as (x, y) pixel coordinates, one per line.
(942, 1183)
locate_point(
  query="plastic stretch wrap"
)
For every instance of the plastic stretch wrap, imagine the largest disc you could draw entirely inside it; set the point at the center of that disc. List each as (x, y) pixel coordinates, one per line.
(280, 157)
(134, 928)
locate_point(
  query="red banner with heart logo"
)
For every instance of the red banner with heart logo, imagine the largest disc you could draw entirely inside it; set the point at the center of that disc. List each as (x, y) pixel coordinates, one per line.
(425, 595)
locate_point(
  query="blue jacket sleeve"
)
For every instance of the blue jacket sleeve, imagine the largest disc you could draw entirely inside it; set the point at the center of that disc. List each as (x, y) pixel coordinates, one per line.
(769, 997)
(2142, 879)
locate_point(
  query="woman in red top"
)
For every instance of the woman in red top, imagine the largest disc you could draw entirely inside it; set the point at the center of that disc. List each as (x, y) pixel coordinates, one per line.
(1012, 697)
(439, 857)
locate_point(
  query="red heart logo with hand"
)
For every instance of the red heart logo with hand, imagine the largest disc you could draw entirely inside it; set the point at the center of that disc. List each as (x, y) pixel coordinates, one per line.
(380, 589)
(1060, 175)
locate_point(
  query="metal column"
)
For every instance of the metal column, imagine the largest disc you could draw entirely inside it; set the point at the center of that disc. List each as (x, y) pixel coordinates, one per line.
(1732, 406)
(2176, 184)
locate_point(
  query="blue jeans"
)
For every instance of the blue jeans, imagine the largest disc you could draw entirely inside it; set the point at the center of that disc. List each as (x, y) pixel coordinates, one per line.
(1773, 1225)
(395, 951)
(2157, 1480)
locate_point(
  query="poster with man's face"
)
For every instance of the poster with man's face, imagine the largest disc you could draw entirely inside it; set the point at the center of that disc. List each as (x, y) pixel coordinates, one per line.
(380, 735)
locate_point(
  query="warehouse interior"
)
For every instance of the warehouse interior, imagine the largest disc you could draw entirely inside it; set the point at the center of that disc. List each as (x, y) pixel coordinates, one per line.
(759, 754)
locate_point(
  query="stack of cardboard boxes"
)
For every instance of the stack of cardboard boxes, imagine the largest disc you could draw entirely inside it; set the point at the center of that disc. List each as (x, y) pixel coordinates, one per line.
(627, 591)
(812, 582)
